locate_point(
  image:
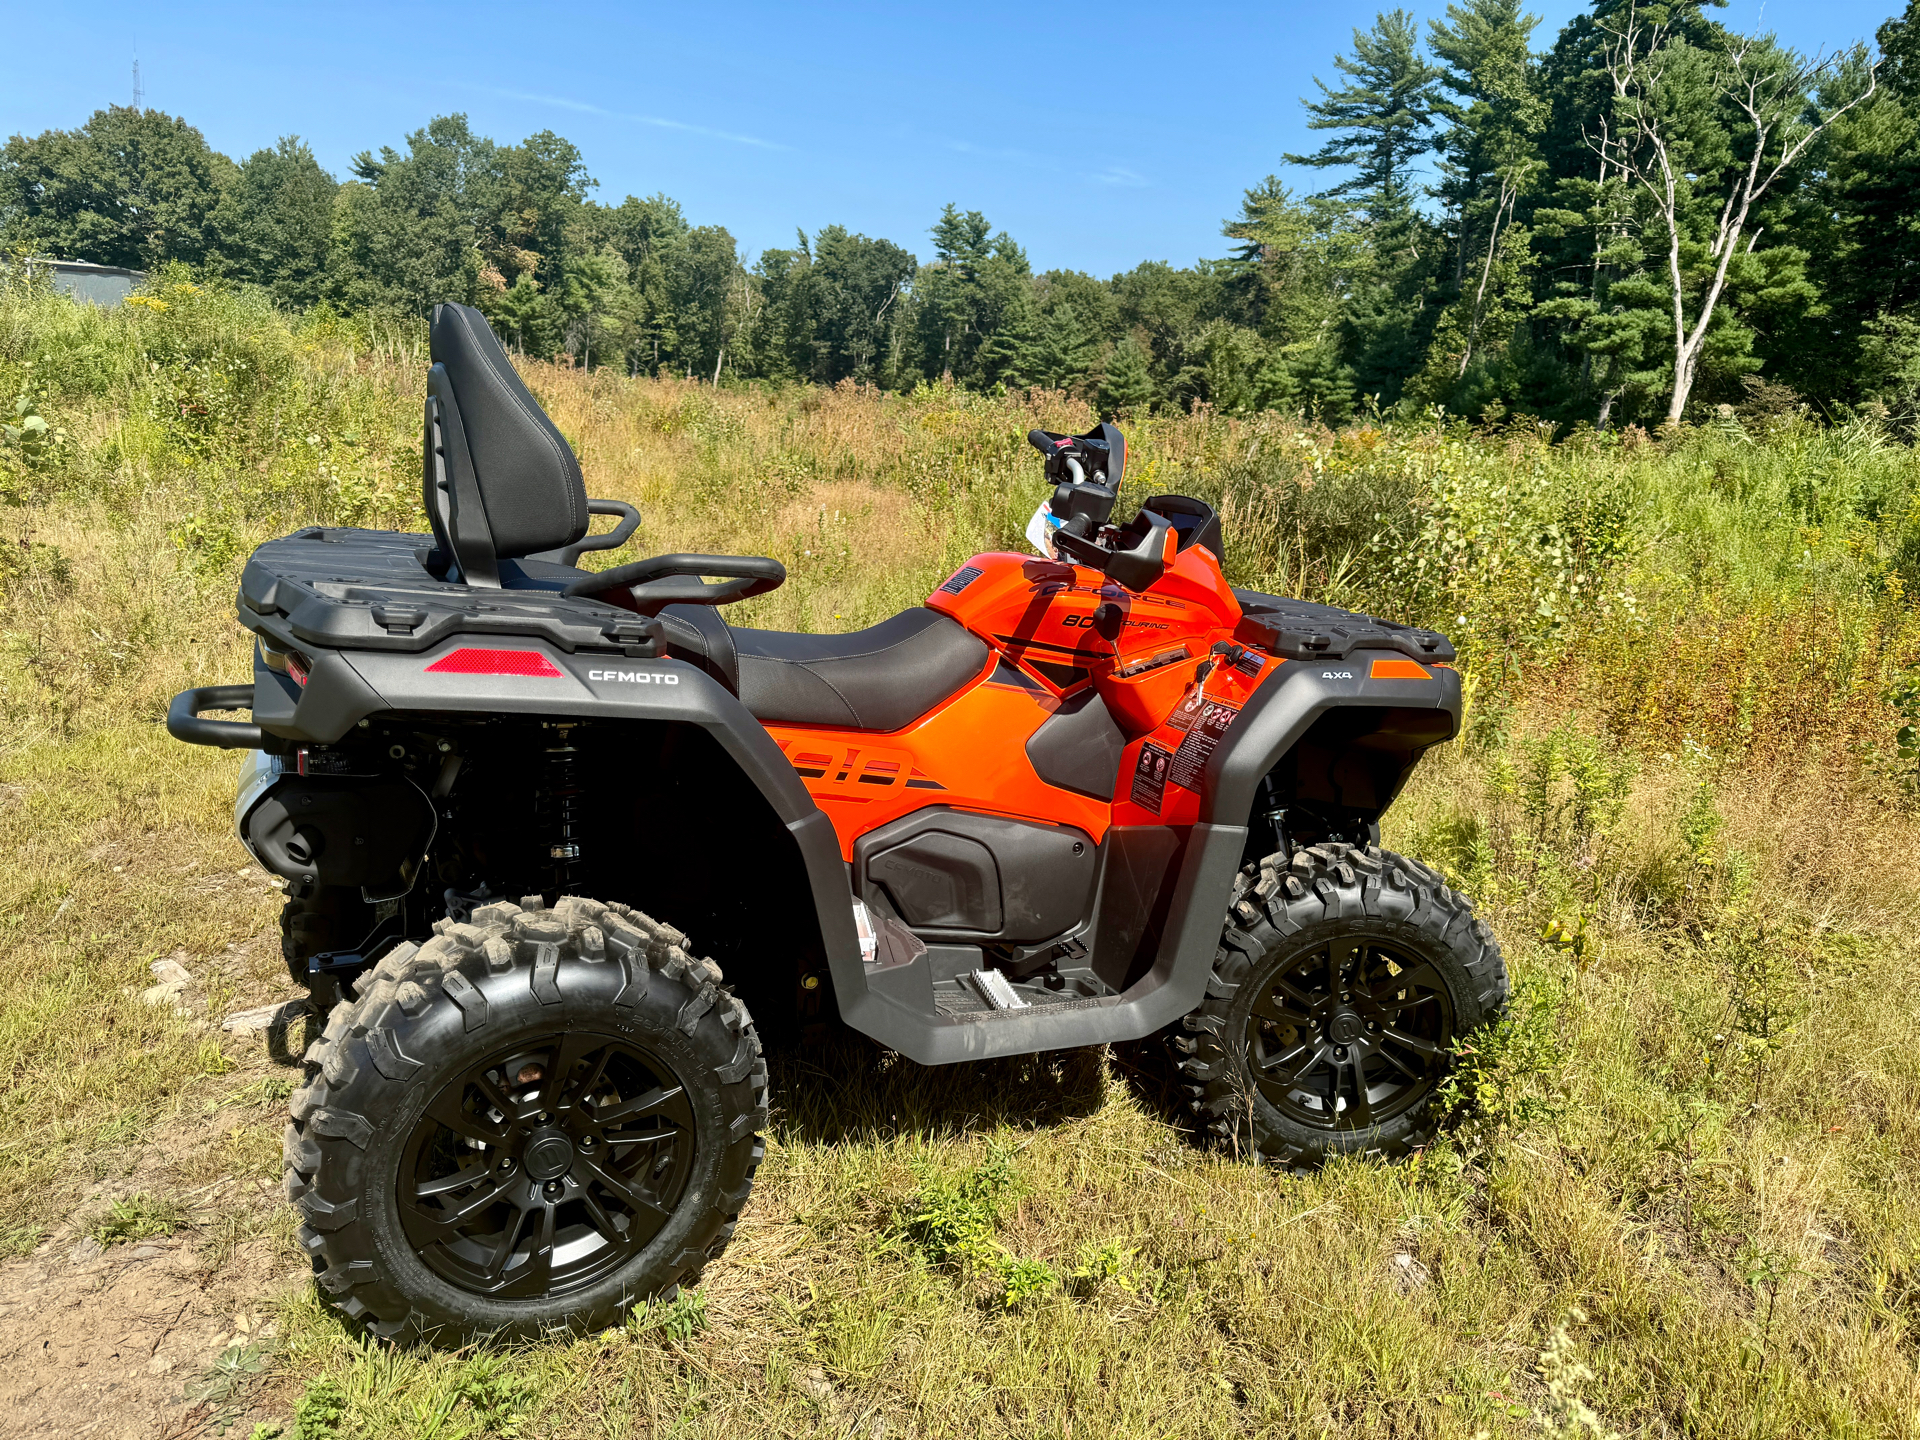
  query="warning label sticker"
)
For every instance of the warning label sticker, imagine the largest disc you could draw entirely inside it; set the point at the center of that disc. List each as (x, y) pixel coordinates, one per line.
(1204, 731)
(1189, 709)
(1150, 777)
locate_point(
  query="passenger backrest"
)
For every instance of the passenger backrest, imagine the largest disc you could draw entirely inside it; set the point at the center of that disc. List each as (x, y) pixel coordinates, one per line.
(500, 480)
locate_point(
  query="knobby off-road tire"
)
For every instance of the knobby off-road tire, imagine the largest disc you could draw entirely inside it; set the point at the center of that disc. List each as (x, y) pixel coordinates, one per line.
(1344, 978)
(321, 918)
(527, 1125)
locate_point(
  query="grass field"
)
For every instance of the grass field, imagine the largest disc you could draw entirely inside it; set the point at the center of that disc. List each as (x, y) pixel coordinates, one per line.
(1683, 1196)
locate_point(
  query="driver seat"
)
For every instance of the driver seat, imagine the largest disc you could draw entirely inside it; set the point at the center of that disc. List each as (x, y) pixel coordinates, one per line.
(881, 678)
(509, 510)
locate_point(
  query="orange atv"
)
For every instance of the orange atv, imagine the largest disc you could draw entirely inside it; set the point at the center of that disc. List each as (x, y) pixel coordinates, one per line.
(1077, 798)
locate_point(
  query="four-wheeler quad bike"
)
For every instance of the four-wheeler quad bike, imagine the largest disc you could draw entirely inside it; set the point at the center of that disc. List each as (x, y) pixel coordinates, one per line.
(1071, 800)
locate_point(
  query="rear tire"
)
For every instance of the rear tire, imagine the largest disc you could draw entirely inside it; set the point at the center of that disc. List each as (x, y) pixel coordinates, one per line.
(527, 1125)
(321, 918)
(1344, 980)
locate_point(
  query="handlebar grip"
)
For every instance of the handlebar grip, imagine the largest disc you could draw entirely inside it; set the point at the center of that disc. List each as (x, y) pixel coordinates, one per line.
(1041, 441)
(185, 723)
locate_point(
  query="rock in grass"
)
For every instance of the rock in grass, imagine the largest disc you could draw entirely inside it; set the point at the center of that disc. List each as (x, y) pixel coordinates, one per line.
(171, 979)
(1409, 1274)
(265, 1018)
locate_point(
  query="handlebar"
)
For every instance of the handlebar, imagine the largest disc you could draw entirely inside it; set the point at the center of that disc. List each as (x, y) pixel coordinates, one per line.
(185, 723)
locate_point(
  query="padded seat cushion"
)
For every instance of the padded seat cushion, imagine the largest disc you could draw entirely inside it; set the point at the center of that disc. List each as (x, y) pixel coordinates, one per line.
(880, 679)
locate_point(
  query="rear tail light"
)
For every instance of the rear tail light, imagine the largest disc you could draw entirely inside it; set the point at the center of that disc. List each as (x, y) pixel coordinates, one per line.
(289, 663)
(1398, 670)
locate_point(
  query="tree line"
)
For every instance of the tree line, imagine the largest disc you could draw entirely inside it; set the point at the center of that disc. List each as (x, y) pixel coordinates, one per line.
(1653, 214)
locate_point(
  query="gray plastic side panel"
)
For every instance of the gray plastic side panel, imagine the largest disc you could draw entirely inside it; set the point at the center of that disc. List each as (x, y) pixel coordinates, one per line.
(1169, 991)
(609, 687)
(1292, 700)
(612, 688)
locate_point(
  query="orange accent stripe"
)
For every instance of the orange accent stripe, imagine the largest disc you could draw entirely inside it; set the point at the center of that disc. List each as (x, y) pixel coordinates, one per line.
(1397, 670)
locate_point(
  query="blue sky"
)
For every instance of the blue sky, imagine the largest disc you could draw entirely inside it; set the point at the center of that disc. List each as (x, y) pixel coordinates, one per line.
(1097, 135)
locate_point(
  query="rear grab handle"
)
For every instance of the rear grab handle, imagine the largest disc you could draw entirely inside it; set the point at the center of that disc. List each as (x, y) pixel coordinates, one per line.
(185, 723)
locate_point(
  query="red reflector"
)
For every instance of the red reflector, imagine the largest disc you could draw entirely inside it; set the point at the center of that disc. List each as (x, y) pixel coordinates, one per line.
(1397, 670)
(471, 661)
(299, 674)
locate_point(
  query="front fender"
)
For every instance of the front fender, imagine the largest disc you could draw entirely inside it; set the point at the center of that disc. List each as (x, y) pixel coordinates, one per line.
(1299, 693)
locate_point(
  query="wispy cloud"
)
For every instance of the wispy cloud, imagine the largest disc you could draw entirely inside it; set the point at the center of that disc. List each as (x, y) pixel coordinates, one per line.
(1108, 175)
(659, 122)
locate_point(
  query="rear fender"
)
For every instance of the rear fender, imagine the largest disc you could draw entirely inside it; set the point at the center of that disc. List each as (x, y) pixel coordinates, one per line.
(345, 689)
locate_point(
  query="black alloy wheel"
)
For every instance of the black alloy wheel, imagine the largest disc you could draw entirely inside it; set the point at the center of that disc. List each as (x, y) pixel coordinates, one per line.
(546, 1166)
(528, 1124)
(1346, 978)
(1354, 1032)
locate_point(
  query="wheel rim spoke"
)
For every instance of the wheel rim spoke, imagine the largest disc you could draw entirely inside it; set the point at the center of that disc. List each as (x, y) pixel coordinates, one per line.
(1293, 1076)
(625, 1190)
(622, 1139)
(503, 1251)
(499, 1099)
(1393, 1060)
(439, 1225)
(459, 1181)
(447, 1110)
(1363, 1107)
(602, 1218)
(1270, 1010)
(1294, 993)
(1413, 1043)
(537, 1275)
(555, 1085)
(671, 1101)
(1423, 977)
(1282, 1058)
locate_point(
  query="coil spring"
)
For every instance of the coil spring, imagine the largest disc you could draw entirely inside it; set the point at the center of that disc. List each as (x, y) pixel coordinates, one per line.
(560, 813)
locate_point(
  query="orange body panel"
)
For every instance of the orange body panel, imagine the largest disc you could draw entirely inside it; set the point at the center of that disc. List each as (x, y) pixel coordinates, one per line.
(970, 753)
(1038, 618)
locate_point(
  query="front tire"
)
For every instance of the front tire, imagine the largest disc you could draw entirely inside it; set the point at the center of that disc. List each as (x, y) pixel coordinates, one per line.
(527, 1125)
(1345, 978)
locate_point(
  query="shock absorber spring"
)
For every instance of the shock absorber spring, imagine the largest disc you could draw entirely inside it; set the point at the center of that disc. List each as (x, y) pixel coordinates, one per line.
(559, 810)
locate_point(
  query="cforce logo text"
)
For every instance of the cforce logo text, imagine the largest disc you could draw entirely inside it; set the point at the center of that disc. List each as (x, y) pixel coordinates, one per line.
(643, 677)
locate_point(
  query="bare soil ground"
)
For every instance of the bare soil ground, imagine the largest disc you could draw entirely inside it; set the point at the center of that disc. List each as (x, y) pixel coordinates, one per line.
(171, 1334)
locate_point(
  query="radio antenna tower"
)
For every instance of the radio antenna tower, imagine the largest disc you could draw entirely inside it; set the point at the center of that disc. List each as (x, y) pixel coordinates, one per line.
(139, 96)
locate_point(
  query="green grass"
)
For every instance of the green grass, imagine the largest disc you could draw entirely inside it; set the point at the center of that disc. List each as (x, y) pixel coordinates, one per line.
(138, 1217)
(1683, 1197)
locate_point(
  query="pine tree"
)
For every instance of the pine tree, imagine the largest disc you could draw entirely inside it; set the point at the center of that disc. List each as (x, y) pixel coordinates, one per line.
(1382, 119)
(1382, 123)
(1127, 387)
(1493, 161)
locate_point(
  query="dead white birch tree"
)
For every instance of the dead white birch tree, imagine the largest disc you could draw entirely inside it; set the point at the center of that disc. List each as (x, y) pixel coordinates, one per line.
(1660, 83)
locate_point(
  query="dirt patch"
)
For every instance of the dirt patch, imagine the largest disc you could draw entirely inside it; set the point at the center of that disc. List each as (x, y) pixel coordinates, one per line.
(166, 1329)
(138, 1340)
